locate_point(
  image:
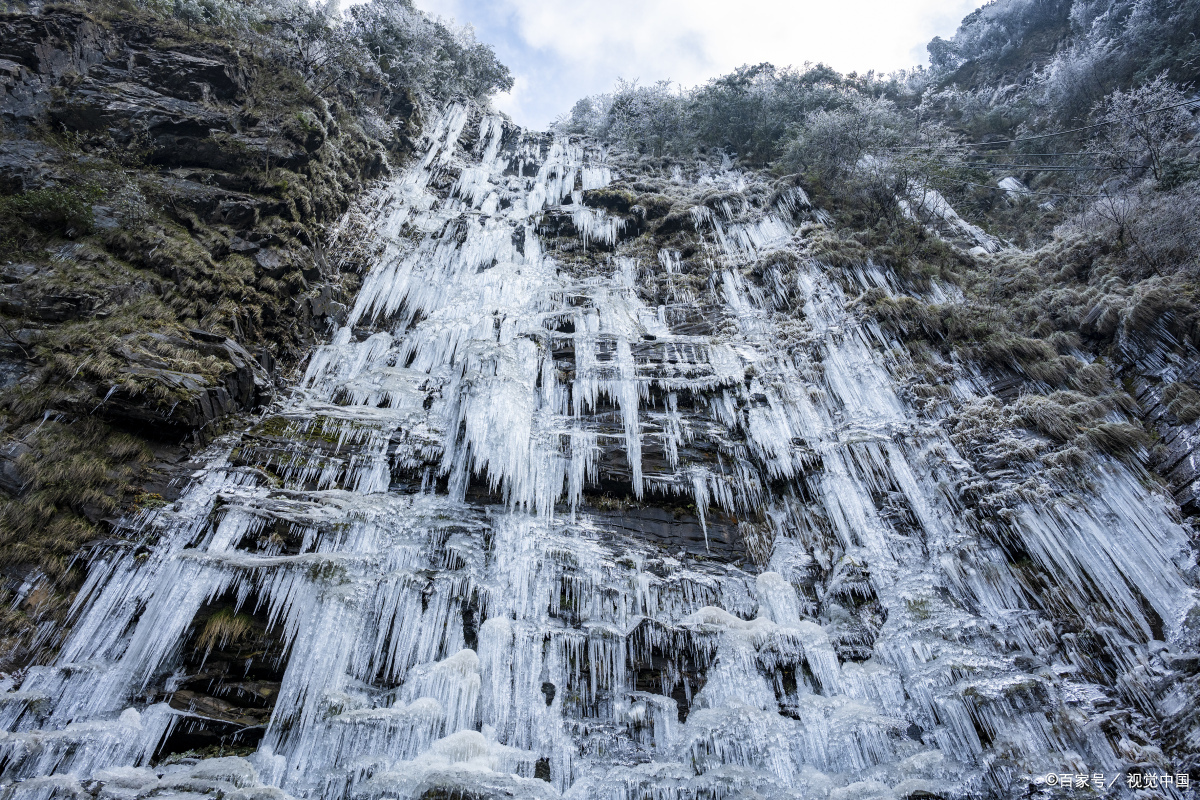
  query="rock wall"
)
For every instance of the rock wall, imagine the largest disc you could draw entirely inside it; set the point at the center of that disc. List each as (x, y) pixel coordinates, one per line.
(167, 197)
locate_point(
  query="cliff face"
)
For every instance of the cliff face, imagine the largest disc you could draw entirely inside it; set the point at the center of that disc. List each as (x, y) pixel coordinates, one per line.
(1033, 192)
(165, 199)
(606, 488)
(628, 472)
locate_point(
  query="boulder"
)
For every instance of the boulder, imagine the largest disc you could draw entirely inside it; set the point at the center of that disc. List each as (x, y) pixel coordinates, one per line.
(274, 262)
(654, 206)
(216, 205)
(123, 108)
(11, 479)
(676, 221)
(24, 166)
(613, 199)
(195, 401)
(324, 306)
(188, 76)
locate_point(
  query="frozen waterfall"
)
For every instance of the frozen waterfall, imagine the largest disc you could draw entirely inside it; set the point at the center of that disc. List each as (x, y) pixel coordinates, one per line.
(521, 531)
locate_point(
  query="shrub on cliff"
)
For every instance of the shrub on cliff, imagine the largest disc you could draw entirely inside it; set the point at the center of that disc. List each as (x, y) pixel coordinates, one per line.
(747, 113)
(65, 210)
(1144, 129)
(431, 59)
(383, 52)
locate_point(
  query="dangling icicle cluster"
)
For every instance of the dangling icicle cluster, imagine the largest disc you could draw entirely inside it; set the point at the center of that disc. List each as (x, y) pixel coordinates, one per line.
(522, 531)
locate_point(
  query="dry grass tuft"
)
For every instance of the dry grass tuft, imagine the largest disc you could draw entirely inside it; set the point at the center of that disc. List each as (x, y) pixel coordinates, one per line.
(1183, 401)
(223, 629)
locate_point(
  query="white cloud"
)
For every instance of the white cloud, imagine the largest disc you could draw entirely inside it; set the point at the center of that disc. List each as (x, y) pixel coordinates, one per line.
(561, 50)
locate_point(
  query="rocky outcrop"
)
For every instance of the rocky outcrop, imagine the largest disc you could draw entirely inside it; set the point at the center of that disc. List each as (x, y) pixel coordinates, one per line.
(166, 194)
(1177, 456)
(249, 178)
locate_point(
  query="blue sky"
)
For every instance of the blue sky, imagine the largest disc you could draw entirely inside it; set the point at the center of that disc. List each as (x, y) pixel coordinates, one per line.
(560, 51)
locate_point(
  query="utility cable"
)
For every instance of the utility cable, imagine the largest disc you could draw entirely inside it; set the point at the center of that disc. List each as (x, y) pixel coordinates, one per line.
(1025, 191)
(1040, 167)
(1008, 142)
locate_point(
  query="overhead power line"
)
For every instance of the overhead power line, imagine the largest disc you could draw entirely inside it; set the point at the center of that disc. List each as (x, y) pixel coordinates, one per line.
(1008, 142)
(1042, 167)
(1024, 191)
(1076, 153)
(1098, 124)
(1035, 167)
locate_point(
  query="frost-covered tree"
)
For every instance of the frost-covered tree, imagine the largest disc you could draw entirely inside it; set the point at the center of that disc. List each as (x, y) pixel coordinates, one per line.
(943, 55)
(434, 60)
(831, 143)
(873, 151)
(650, 118)
(1144, 128)
(746, 114)
(750, 111)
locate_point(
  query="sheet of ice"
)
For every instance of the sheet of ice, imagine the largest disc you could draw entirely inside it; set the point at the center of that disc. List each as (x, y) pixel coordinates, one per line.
(463, 610)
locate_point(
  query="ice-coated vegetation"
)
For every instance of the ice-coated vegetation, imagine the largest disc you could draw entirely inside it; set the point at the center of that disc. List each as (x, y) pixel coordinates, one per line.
(387, 45)
(595, 503)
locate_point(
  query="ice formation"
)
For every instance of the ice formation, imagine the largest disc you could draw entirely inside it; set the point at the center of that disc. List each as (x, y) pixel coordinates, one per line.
(437, 533)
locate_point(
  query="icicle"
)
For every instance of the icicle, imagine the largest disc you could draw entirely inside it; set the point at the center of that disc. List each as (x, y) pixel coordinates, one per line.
(465, 545)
